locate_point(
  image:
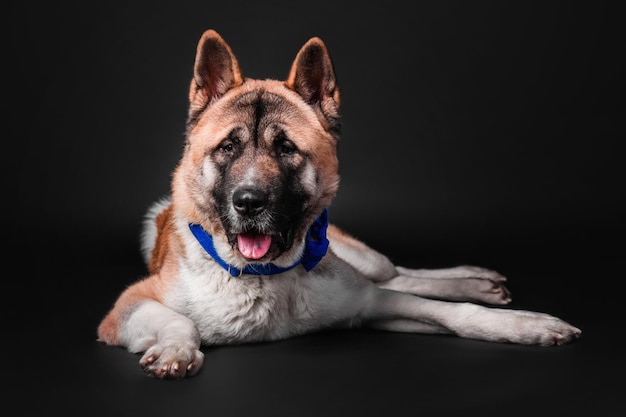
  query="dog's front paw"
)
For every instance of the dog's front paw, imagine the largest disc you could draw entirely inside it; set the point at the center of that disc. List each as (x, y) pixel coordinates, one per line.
(172, 360)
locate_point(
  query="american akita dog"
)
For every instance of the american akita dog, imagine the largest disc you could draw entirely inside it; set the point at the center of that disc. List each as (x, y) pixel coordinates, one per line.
(241, 251)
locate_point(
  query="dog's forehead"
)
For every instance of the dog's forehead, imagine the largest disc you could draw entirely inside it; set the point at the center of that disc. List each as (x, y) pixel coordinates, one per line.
(262, 102)
(256, 107)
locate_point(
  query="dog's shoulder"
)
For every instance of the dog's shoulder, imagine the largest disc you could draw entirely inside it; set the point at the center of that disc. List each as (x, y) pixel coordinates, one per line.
(339, 237)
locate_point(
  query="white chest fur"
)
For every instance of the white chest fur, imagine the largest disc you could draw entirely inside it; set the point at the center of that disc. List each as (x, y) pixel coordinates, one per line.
(257, 308)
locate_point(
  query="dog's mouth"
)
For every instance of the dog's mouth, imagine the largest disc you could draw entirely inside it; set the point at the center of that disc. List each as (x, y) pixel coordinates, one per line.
(253, 245)
(259, 231)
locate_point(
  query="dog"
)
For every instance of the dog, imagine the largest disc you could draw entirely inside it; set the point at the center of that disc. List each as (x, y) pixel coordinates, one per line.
(241, 249)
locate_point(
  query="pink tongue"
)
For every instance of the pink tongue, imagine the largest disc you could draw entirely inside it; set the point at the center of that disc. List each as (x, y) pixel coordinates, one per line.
(252, 245)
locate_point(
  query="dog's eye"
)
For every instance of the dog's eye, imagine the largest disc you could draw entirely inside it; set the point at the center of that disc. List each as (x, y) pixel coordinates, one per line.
(229, 146)
(286, 148)
(226, 147)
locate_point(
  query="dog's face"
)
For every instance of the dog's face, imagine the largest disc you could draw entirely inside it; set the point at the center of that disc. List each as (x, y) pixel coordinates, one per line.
(260, 162)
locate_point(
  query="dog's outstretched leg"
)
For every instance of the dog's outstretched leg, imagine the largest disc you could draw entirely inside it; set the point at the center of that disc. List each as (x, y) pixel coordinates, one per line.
(396, 311)
(462, 283)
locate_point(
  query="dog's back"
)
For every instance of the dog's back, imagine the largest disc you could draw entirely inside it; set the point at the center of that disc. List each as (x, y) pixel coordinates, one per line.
(154, 243)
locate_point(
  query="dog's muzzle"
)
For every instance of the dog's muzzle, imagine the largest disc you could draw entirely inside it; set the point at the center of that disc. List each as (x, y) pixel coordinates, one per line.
(253, 224)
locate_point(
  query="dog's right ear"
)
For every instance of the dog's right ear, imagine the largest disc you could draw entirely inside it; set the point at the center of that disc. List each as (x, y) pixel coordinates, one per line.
(215, 71)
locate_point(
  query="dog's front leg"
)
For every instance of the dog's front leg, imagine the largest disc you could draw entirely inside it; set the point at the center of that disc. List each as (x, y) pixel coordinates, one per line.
(397, 311)
(170, 342)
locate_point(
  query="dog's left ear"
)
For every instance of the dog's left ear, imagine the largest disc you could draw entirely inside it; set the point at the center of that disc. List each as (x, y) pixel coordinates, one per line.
(312, 75)
(215, 71)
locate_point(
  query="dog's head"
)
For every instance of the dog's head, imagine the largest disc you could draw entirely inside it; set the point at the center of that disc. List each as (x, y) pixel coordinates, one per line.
(260, 160)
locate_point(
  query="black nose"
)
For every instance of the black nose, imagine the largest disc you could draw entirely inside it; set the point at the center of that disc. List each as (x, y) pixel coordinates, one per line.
(249, 201)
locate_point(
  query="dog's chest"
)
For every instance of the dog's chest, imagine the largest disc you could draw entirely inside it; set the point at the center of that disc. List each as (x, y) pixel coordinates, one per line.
(251, 308)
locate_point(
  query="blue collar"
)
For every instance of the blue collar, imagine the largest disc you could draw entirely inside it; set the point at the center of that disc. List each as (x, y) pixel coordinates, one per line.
(314, 251)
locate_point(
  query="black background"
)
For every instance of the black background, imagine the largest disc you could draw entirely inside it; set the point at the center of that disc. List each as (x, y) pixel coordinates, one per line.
(487, 133)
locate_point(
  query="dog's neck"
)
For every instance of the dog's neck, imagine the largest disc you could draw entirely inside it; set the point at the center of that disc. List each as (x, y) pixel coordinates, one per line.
(314, 250)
